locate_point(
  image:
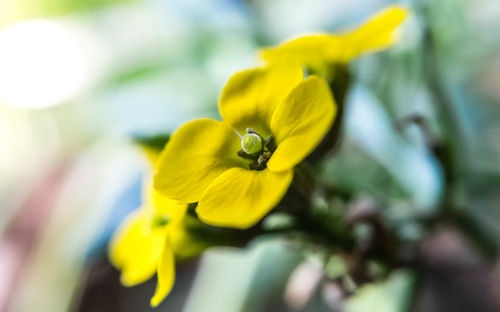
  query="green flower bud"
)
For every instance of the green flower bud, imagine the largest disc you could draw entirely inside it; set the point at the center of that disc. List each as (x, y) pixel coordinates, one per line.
(251, 143)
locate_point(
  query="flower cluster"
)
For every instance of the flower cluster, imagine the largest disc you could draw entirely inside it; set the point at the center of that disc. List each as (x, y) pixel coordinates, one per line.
(151, 238)
(238, 169)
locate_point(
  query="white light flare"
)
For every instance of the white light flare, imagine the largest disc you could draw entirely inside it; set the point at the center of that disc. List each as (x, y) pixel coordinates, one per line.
(41, 64)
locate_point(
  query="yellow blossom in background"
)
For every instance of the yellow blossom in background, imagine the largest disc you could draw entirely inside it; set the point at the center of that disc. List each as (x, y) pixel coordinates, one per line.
(141, 247)
(240, 168)
(150, 240)
(319, 52)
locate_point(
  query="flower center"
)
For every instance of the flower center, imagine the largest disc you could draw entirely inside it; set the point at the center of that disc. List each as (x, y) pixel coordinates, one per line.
(251, 143)
(256, 149)
(160, 220)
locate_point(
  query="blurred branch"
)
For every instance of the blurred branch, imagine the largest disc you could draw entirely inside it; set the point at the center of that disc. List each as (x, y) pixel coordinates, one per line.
(452, 151)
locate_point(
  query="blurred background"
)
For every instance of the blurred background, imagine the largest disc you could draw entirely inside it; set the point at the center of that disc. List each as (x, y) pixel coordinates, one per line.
(80, 79)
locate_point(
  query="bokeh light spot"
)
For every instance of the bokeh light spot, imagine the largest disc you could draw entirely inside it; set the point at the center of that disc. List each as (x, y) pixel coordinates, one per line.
(41, 65)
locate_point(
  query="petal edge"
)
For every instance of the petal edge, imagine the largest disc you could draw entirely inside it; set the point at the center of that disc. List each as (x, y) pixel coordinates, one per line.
(300, 122)
(197, 153)
(239, 198)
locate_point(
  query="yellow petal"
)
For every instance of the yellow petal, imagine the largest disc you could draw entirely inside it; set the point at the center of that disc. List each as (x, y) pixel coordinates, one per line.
(318, 51)
(300, 122)
(197, 153)
(250, 97)
(166, 275)
(158, 204)
(310, 51)
(240, 197)
(378, 33)
(169, 207)
(135, 249)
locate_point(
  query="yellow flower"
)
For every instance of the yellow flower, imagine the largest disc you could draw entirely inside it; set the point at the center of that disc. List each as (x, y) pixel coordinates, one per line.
(240, 168)
(318, 52)
(150, 240)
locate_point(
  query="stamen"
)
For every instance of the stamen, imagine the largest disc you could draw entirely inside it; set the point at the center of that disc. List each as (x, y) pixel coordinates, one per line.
(242, 154)
(241, 137)
(270, 143)
(255, 148)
